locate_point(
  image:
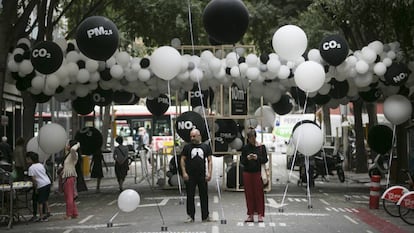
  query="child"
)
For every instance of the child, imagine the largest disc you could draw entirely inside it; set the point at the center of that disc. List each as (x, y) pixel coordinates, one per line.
(41, 184)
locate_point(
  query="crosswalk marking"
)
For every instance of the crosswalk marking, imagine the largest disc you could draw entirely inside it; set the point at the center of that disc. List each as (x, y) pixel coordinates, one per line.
(261, 224)
(339, 209)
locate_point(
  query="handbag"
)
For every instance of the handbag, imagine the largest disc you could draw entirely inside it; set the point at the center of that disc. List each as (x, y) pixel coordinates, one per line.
(264, 172)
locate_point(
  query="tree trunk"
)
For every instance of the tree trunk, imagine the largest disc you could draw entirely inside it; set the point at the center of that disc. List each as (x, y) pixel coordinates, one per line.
(327, 122)
(372, 120)
(7, 14)
(29, 108)
(106, 121)
(361, 155)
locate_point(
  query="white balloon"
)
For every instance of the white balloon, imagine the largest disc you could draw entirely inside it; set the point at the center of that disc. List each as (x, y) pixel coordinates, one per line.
(235, 72)
(236, 144)
(144, 75)
(12, 66)
(72, 56)
(284, 72)
(252, 60)
(33, 146)
(123, 58)
(377, 46)
(72, 69)
(128, 200)
(38, 82)
(81, 90)
(363, 80)
(361, 67)
(309, 76)
(91, 65)
(52, 138)
(308, 139)
(290, 42)
(368, 54)
(166, 62)
(215, 65)
(266, 116)
(83, 76)
(25, 67)
(116, 71)
(315, 55)
(397, 109)
(196, 75)
(273, 65)
(380, 68)
(387, 61)
(52, 81)
(252, 73)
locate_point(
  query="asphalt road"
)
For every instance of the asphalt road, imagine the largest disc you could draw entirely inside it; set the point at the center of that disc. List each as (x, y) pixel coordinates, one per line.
(328, 207)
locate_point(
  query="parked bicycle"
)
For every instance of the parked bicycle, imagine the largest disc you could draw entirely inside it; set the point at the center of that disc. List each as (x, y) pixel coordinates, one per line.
(398, 200)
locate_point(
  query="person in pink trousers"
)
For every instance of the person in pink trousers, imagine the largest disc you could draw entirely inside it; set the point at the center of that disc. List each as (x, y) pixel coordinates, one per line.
(69, 179)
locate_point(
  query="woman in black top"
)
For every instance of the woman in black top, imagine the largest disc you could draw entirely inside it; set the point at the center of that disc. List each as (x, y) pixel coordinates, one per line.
(96, 168)
(252, 157)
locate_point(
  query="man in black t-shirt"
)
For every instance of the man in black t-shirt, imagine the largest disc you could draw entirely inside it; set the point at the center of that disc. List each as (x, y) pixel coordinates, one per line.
(195, 174)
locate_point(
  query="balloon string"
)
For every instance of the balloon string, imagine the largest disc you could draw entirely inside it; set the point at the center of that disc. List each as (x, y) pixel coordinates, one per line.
(307, 181)
(190, 24)
(390, 159)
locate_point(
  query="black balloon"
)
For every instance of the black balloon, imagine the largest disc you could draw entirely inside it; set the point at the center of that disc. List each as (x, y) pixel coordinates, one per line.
(380, 138)
(105, 74)
(396, 74)
(124, 97)
(159, 105)
(220, 145)
(41, 98)
(284, 105)
(102, 97)
(321, 99)
(227, 129)
(339, 89)
(83, 105)
(334, 49)
(90, 140)
(144, 63)
(371, 96)
(97, 38)
(226, 21)
(46, 57)
(188, 121)
(196, 96)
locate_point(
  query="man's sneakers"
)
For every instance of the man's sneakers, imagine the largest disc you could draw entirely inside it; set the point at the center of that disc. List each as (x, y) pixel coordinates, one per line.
(189, 220)
(208, 219)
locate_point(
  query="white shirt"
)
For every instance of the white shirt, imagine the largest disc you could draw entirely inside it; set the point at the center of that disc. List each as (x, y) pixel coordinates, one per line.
(38, 172)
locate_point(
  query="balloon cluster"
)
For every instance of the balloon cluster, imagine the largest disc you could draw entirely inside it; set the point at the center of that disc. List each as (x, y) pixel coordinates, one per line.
(330, 75)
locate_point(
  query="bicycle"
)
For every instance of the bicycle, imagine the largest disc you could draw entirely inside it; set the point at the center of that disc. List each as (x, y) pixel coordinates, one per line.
(398, 201)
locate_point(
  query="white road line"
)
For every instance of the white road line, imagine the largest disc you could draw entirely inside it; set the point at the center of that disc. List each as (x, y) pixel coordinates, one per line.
(298, 214)
(355, 210)
(349, 210)
(262, 224)
(215, 229)
(85, 219)
(341, 209)
(68, 231)
(215, 215)
(334, 209)
(350, 219)
(112, 202)
(282, 224)
(324, 202)
(215, 199)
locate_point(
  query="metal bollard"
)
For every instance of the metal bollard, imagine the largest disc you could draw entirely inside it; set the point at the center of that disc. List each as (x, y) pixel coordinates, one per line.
(374, 194)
